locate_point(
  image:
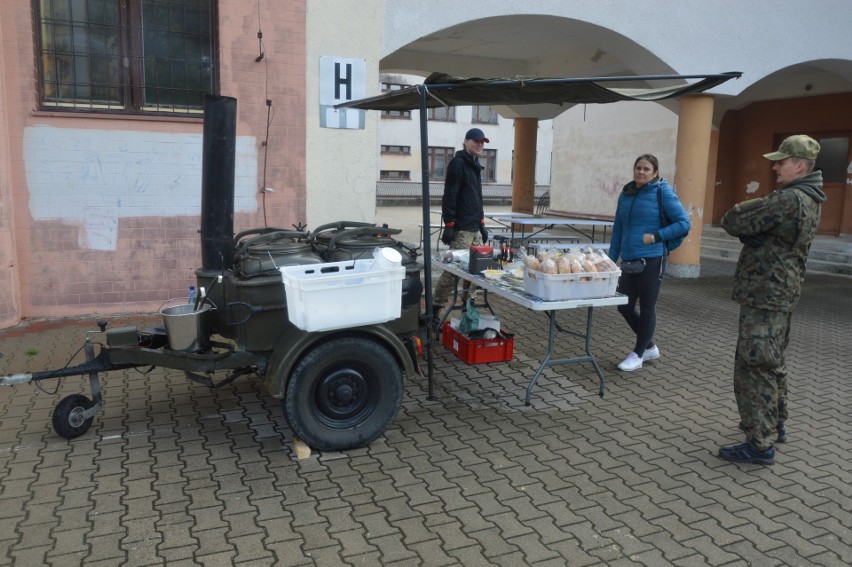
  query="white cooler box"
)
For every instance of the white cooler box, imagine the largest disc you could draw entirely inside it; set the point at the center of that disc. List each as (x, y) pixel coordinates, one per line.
(337, 295)
(559, 287)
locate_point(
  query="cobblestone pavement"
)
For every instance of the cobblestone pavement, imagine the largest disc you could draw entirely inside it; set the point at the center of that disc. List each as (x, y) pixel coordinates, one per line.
(173, 473)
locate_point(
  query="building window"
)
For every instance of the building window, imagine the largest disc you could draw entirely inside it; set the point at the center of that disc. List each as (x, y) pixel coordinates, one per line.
(126, 55)
(484, 115)
(438, 159)
(395, 114)
(396, 150)
(394, 175)
(488, 158)
(442, 114)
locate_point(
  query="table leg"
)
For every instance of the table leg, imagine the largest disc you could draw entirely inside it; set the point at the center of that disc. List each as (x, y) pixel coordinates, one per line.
(452, 306)
(551, 335)
(548, 361)
(590, 356)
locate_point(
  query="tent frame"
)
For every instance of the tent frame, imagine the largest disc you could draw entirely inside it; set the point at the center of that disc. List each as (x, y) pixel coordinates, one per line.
(517, 91)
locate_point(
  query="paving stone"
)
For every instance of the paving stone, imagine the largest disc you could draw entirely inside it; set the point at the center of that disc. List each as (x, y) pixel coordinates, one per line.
(830, 559)
(175, 473)
(492, 543)
(216, 559)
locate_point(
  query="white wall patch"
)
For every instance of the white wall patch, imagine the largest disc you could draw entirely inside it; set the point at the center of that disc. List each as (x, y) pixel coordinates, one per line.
(97, 177)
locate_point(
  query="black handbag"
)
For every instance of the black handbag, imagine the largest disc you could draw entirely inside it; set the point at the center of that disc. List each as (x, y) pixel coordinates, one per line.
(633, 266)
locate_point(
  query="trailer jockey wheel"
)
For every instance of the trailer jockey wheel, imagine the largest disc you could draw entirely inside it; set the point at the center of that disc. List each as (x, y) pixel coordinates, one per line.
(343, 394)
(67, 416)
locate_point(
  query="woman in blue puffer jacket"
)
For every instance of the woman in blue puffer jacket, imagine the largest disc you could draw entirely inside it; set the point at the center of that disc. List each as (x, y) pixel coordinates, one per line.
(638, 234)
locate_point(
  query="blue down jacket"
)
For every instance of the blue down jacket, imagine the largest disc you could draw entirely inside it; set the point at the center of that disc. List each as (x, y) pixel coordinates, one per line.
(638, 213)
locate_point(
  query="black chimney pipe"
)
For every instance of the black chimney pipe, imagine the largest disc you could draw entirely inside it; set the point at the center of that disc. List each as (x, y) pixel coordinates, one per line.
(217, 182)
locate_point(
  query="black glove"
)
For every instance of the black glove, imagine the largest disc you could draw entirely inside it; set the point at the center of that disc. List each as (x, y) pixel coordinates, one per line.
(484, 234)
(755, 241)
(448, 235)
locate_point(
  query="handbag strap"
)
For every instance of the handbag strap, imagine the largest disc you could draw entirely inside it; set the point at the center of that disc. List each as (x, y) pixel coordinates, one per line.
(664, 221)
(663, 218)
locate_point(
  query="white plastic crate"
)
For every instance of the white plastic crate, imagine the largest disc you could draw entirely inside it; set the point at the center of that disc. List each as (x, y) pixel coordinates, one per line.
(558, 287)
(336, 295)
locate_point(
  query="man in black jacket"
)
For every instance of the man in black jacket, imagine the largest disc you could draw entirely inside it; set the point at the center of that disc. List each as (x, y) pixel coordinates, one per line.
(461, 208)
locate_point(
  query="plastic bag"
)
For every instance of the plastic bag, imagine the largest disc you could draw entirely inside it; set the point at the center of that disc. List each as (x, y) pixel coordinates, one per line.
(470, 318)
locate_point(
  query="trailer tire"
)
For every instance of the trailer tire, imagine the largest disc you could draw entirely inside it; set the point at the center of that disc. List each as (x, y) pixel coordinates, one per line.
(66, 416)
(343, 394)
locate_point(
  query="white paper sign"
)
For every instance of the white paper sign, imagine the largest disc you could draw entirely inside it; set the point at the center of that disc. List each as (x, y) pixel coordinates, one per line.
(341, 80)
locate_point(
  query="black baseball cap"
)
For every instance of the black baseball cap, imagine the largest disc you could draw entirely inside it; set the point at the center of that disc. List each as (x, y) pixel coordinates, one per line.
(476, 134)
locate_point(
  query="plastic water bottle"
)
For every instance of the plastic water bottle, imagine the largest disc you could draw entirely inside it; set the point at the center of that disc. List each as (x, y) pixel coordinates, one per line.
(191, 295)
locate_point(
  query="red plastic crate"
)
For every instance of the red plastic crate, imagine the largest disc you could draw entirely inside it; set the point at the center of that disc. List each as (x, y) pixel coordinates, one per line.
(477, 351)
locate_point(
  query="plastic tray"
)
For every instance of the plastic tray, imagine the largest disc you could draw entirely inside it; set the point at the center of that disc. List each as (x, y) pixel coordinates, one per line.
(557, 287)
(337, 295)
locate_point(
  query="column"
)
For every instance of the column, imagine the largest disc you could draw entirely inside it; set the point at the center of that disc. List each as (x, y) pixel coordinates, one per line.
(695, 123)
(523, 179)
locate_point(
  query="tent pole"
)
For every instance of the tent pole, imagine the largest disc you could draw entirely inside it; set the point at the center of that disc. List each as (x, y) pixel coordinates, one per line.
(431, 329)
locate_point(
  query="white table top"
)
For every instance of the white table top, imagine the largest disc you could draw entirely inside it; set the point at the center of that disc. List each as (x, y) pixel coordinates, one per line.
(555, 221)
(496, 215)
(506, 215)
(517, 294)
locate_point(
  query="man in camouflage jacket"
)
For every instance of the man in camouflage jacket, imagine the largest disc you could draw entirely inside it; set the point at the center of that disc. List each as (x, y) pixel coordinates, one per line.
(776, 231)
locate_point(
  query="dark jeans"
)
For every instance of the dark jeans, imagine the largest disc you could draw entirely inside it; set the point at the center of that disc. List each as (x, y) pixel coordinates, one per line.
(644, 288)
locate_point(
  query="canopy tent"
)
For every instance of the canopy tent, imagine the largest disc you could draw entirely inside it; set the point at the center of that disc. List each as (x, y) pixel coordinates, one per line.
(440, 89)
(443, 90)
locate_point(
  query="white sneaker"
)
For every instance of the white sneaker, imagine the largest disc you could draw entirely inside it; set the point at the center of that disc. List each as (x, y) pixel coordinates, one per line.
(631, 363)
(651, 354)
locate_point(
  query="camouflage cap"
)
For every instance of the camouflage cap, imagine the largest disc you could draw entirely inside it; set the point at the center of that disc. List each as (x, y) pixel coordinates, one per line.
(795, 146)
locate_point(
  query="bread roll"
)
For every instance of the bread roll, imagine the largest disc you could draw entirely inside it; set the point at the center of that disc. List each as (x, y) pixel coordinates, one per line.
(549, 266)
(532, 263)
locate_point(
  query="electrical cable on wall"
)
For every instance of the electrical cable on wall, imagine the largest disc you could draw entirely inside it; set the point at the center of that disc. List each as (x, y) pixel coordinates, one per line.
(269, 112)
(261, 53)
(263, 190)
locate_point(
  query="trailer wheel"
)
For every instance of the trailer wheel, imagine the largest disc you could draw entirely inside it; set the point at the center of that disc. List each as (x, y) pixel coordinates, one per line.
(343, 394)
(67, 421)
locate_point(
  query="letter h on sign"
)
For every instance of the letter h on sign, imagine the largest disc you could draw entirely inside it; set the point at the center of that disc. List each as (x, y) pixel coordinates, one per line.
(341, 80)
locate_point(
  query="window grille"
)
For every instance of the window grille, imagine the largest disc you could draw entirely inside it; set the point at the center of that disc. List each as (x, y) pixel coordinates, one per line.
(126, 55)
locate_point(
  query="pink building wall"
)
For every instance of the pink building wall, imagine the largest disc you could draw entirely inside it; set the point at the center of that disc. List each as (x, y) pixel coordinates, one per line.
(99, 213)
(9, 296)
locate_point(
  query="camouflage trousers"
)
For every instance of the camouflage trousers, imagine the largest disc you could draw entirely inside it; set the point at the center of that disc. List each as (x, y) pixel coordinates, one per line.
(760, 377)
(447, 282)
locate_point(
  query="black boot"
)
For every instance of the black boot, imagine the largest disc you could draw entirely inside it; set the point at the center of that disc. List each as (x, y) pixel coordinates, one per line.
(782, 434)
